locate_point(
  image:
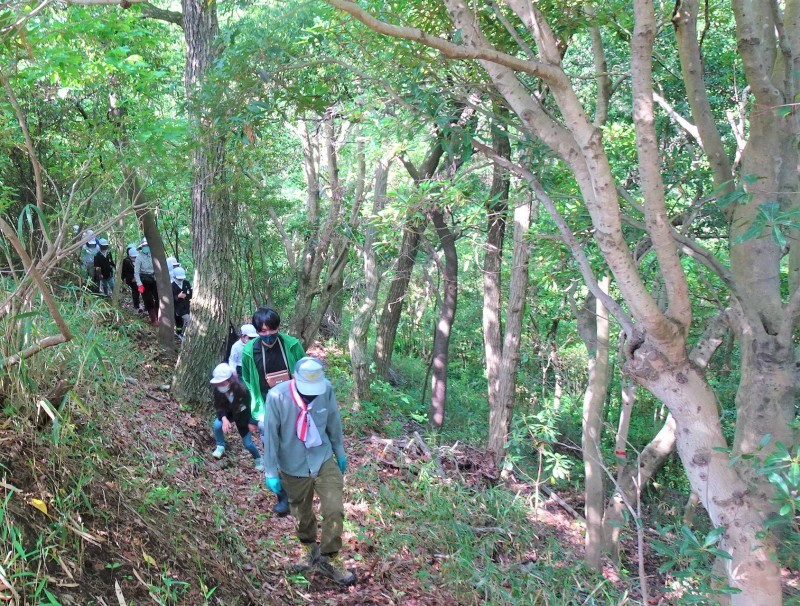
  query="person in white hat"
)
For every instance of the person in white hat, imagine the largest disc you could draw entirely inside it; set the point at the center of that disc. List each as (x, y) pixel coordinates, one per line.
(145, 275)
(172, 265)
(128, 276)
(181, 295)
(88, 252)
(232, 403)
(304, 454)
(247, 332)
(104, 267)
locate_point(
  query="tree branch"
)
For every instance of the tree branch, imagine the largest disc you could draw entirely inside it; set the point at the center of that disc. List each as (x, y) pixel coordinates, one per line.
(448, 49)
(149, 11)
(34, 272)
(566, 235)
(31, 151)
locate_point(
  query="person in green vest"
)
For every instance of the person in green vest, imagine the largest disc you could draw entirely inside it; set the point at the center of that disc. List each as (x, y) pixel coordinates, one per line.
(266, 362)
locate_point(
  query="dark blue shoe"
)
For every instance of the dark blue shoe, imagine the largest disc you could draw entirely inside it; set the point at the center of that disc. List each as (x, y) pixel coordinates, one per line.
(282, 506)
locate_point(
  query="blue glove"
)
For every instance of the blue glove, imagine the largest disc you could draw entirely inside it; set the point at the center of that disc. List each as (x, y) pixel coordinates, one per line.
(343, 465)
(274, 484)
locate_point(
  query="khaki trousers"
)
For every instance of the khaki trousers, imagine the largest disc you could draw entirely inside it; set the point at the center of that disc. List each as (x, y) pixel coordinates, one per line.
(329, 486)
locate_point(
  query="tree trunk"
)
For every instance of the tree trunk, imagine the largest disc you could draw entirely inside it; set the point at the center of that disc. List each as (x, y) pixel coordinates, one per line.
(413, 229)
(213, 213)
(501, 409)
(326, 245)
(593, 400)
(359, 329)
(496, 214)
(386, 330)
(147, 219)
(447, 312)
(166, 306)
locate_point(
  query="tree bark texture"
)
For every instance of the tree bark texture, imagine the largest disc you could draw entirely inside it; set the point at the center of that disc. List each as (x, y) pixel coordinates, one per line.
(440, 355)
(213, 212)
(496, 218)
(501, 409)
(593, 399)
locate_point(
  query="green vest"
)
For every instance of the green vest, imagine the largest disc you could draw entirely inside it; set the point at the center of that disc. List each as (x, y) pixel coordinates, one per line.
(294, 351)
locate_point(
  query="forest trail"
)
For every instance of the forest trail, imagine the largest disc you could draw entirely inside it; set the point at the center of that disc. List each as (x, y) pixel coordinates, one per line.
(177, 445)
(195, 504)
(139, 512)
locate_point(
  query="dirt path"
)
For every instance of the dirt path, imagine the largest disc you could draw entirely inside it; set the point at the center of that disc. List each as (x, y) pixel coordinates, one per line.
(228, 498)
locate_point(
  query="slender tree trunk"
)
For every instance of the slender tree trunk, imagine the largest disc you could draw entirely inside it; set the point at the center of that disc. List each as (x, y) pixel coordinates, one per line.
(593, 400)
(359, 329)
(444, 324)
(166, 306)
(496, 216)
(213, 213)
(413, 229)
(323, 248)
(147, 219)
(386, 330)
(501, 409)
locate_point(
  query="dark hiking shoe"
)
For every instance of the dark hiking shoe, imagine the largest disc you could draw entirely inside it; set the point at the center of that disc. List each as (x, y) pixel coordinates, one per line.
(333, 568)
(281, 508)
(308, 558)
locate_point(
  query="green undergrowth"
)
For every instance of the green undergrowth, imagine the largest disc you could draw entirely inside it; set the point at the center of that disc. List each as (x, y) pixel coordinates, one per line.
(481, 543)
(77, 516)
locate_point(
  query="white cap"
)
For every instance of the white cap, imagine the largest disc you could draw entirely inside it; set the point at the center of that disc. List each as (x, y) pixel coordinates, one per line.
(132, 252)
(143, 242)
(309, 377)
(92, 242)
(249, 330)
(102, 242)
(171, 262)
(221, 373)
(180, 274)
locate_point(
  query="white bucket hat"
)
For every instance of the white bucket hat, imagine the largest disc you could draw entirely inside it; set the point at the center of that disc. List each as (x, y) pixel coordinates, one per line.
(221, 373)
(249, 330)
(309, 377)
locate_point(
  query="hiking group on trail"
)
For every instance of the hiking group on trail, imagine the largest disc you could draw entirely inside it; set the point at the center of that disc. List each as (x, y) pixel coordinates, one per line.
(269, 385)
(138, 272)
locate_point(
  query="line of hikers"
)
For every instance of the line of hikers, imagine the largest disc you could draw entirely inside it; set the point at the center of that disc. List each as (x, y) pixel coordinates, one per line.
(269, 386)
(138, 273)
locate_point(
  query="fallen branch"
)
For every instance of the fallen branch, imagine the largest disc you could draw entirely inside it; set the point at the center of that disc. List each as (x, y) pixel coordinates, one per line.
(564, 505)
(34, 349)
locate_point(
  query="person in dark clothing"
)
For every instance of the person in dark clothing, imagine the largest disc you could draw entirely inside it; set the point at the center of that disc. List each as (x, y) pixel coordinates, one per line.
(232, 403)
(127, 275)
(182, 295)
(104, 268)
(145, 275)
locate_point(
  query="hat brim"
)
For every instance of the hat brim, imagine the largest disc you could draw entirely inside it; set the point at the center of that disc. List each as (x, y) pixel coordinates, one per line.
(217, 381)
(310, 389)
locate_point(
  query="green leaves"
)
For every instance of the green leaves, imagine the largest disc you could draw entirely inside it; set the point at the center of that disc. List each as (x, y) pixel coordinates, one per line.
(773, 221)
